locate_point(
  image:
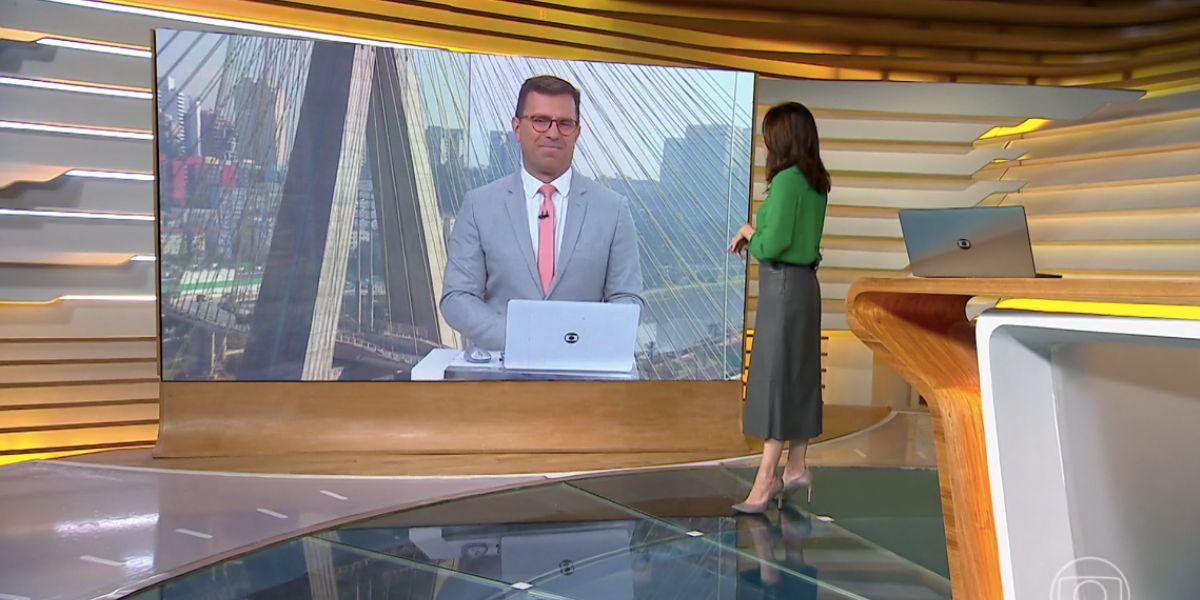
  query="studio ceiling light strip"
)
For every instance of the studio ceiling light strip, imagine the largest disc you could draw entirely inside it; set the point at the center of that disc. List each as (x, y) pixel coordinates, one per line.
(110, 297)
(64, 214)
(73, 87)
(94, 47)
(219, 22)
(76, 130)
(110, 175)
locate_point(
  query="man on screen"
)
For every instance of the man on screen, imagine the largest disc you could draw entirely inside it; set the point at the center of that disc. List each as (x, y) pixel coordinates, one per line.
(542, 233)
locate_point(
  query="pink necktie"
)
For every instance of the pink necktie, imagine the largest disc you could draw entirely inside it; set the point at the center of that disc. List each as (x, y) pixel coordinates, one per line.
(545, 256)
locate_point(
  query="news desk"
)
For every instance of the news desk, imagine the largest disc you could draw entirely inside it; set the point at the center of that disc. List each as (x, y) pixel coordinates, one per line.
(920, 327)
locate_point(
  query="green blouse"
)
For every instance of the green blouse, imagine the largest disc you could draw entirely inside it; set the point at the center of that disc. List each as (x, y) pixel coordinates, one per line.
(790, 221)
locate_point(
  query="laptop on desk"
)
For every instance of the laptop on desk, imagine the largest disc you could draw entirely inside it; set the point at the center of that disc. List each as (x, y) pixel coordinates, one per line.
(558, 336)
(982, 241)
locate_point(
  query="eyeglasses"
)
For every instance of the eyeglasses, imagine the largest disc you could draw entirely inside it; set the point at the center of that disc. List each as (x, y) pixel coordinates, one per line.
(542, 123)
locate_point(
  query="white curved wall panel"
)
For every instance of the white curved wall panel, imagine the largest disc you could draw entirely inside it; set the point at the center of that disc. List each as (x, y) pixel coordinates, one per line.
(868, 226)
(1118, 192)
(83, 194)
(961, 161)
(937, 194)
(927, 130)
(945, 99)
(1144, 108)
(19, 103)
(79, 22)
(1166, 224)
(79, 151)
(865, 258)
(30, 240)
(1105, 255)
(1147, 164)
(1143, 194)
(48, 62)
(40, 283)
(834, 291)
(1125, 138)
(77, 319)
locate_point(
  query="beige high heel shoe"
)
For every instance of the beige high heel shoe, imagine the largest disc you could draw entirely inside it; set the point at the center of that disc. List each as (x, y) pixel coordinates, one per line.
(751, 508)
(803, 481)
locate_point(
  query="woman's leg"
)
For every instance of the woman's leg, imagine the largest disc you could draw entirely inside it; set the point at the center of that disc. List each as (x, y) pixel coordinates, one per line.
(764, 548)
(772, 449)
(796, 467)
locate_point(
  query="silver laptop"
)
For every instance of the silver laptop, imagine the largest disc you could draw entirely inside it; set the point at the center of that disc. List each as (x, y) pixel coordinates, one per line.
(982, 241)
(551, 335)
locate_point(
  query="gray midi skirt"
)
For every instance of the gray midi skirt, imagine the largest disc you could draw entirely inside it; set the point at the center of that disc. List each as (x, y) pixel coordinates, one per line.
(783, 390)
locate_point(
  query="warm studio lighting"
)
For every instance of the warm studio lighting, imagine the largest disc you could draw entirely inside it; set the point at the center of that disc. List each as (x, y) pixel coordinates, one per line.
(76, 130)
(110, 175)
(1112, 309)
(94, 47)
(74, 87)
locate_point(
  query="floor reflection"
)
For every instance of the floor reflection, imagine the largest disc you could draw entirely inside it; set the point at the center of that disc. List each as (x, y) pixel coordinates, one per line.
(779, 545)
(648, 535)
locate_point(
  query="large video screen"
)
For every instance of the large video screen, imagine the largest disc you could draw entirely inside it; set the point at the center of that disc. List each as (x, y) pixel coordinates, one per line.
(332, 211)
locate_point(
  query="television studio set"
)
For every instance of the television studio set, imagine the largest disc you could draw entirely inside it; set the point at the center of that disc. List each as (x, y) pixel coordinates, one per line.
(564, 299)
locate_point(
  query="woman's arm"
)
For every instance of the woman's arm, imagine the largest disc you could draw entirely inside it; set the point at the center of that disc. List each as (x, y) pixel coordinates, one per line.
(777, 224)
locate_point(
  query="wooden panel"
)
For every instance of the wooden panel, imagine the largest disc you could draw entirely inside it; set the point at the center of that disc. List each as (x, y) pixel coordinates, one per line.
(839, 421)
(63, 417)
(945, 39)
(45, 350)
(24, 442)
(919, 327)
(70, 394)
(250, 418)
(26, 374)
(77, 319)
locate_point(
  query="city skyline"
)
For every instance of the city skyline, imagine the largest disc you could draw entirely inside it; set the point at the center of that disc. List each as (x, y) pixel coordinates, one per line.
(623, 129)
(264, 162)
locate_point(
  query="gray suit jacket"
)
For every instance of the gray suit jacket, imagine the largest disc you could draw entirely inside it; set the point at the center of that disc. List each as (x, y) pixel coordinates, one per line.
(490, 258)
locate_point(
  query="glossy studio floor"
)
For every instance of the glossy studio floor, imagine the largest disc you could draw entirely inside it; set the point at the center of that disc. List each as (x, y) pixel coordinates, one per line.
(91, 528)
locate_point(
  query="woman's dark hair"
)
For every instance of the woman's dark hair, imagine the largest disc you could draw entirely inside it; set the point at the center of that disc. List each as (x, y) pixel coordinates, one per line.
(790, 132)
(547, 85)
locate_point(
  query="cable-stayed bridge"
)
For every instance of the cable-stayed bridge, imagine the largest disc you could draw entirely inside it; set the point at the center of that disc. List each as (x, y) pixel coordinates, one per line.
(307, 190)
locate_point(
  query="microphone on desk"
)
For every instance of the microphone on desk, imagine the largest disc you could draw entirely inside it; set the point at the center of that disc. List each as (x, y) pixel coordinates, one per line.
(543, 215)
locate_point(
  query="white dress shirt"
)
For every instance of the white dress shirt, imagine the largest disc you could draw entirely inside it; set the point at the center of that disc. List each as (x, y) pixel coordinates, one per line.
(533, 206)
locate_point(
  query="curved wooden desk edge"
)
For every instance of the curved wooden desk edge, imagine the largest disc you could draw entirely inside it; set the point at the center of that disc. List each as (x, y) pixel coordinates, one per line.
(919, 327)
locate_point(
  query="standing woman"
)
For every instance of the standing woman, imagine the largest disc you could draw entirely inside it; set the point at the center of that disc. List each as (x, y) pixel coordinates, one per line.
(783, 394)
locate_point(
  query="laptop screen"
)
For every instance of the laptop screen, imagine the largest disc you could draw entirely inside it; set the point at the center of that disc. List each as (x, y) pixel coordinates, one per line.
(990, 241)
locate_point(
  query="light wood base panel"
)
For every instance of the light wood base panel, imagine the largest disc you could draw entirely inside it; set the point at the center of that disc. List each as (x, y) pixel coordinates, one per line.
(839, 421)
(214, 419)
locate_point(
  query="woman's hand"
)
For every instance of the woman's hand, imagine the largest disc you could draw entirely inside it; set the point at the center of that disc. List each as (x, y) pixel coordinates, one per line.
(738, 244)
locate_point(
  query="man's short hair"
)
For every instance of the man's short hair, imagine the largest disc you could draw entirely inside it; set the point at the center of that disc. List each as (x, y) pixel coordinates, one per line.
(547, 85)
